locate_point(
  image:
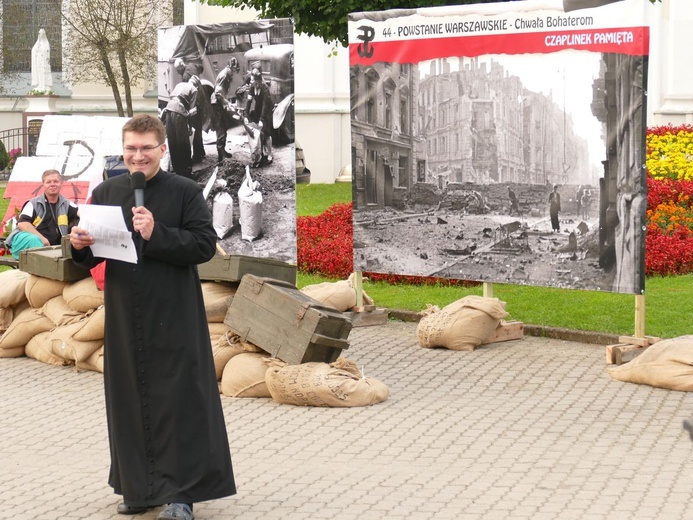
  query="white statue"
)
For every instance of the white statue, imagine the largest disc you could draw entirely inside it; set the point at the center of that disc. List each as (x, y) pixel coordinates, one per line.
(41, 76)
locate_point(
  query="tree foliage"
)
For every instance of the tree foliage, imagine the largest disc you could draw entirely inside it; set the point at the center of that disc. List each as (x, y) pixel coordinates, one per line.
(114, 42)
(328, 18)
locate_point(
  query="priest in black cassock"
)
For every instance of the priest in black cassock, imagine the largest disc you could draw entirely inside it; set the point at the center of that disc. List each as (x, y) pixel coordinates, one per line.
(166, 426)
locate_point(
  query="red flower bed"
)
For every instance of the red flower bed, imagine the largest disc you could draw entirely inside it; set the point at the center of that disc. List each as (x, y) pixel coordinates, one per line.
(326, 246)
(669, 242)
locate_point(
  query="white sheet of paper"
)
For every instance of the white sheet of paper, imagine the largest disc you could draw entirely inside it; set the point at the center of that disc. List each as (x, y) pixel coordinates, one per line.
(111, 237)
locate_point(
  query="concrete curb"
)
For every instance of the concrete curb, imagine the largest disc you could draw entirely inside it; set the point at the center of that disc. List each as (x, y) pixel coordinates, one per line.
(581, 336)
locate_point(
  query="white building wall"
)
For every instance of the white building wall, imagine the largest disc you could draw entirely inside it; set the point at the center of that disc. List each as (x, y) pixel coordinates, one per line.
(670, 81)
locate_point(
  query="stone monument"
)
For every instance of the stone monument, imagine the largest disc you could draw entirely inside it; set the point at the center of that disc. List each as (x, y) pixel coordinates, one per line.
(41, 77)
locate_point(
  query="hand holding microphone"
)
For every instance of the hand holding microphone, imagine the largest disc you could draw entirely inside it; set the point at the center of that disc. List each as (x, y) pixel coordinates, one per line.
(142, 218)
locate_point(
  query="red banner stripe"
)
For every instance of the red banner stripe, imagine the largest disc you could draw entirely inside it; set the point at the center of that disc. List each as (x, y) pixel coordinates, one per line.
(634, 41)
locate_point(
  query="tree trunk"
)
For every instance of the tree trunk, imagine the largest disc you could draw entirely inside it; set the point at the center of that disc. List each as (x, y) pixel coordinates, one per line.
(112, 80)
(126, 80)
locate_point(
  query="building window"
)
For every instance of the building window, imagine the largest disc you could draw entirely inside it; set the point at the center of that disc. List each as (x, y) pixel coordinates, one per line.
(404, 69)
(403, 113)
(421, 171)
(388, 108)
(403, 170)
(26, 17)
(371, 176)
(389, 95)
(371, 99)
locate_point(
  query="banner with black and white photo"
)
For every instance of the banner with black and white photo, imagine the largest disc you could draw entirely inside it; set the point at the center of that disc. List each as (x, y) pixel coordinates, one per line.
(502, 142)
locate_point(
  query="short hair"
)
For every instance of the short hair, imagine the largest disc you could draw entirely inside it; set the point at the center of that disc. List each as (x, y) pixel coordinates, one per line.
(256, 74)
(145, 123)
(48, 173)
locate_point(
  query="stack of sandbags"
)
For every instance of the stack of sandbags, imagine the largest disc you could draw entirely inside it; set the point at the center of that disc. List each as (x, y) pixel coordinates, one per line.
(338, 384)
(462, 325)
(77, 337)
(666, 364)
(62, 323)
(341, 295)
(30, 322)
(12, 303)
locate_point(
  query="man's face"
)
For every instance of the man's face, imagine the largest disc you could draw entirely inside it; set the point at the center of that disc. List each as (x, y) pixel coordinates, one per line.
(142, 153)
(51, 185)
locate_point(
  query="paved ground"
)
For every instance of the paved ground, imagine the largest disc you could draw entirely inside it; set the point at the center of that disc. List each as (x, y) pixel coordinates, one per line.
(529, 429)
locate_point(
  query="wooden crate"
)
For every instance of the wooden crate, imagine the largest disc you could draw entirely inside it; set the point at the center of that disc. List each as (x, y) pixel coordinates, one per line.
(286, 323)
(231, 268)
(49, 262)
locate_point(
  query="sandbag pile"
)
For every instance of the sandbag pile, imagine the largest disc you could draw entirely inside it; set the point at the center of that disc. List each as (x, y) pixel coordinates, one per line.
(55, 322)
(341, 294)
(62, 324)
(666, 364)
(462, 325)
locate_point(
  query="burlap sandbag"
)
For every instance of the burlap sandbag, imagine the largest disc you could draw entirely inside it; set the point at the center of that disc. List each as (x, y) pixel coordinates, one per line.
(39, 348)
(217, 297)
(92, 326)
(39, 290)
(244, 376)
(8, 314)
(11, 352)
(93, 362)
(6, 317)
(341, 295)
(338, 384)
(226, 346)
(462, 325)
(216, 330)
(65, 341)
(59, 312)
(12, 287)
(83, 295)
(25, 326)
(666, 364)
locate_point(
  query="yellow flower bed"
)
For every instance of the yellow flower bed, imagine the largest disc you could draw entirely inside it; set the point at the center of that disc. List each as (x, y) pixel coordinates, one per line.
(670, 152)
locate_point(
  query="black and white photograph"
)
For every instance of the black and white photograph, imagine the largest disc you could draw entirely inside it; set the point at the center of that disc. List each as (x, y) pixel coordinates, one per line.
(516, 166)
(226, 97)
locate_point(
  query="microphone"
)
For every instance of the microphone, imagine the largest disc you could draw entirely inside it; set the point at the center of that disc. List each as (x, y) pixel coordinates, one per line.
(138, 183)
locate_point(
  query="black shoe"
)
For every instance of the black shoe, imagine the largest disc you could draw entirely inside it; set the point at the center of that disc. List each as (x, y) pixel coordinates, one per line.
(126, 509)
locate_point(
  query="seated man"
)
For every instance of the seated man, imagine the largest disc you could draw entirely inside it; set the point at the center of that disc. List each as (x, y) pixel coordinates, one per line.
(44, 219)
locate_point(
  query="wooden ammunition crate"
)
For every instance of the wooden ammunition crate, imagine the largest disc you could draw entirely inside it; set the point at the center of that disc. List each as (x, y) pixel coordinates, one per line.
(231, 268)
(286, 323)
(49, 262)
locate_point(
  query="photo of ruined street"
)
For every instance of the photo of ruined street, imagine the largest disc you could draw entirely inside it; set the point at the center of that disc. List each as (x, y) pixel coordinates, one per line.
(500, 168)
(470, 233)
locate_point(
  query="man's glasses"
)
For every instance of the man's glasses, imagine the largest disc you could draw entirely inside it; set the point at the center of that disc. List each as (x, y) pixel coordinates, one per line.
(131, 150)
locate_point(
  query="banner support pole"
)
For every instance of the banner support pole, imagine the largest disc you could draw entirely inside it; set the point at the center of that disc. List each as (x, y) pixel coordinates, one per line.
(639, 315)
(358, 286)
(488, 290)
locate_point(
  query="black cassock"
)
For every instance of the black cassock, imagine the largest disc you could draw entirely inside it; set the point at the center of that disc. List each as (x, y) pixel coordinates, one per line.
(166, 426)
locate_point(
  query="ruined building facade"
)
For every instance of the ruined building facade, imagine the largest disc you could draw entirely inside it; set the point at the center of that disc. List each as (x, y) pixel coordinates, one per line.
(386, 146)
(481, 125)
